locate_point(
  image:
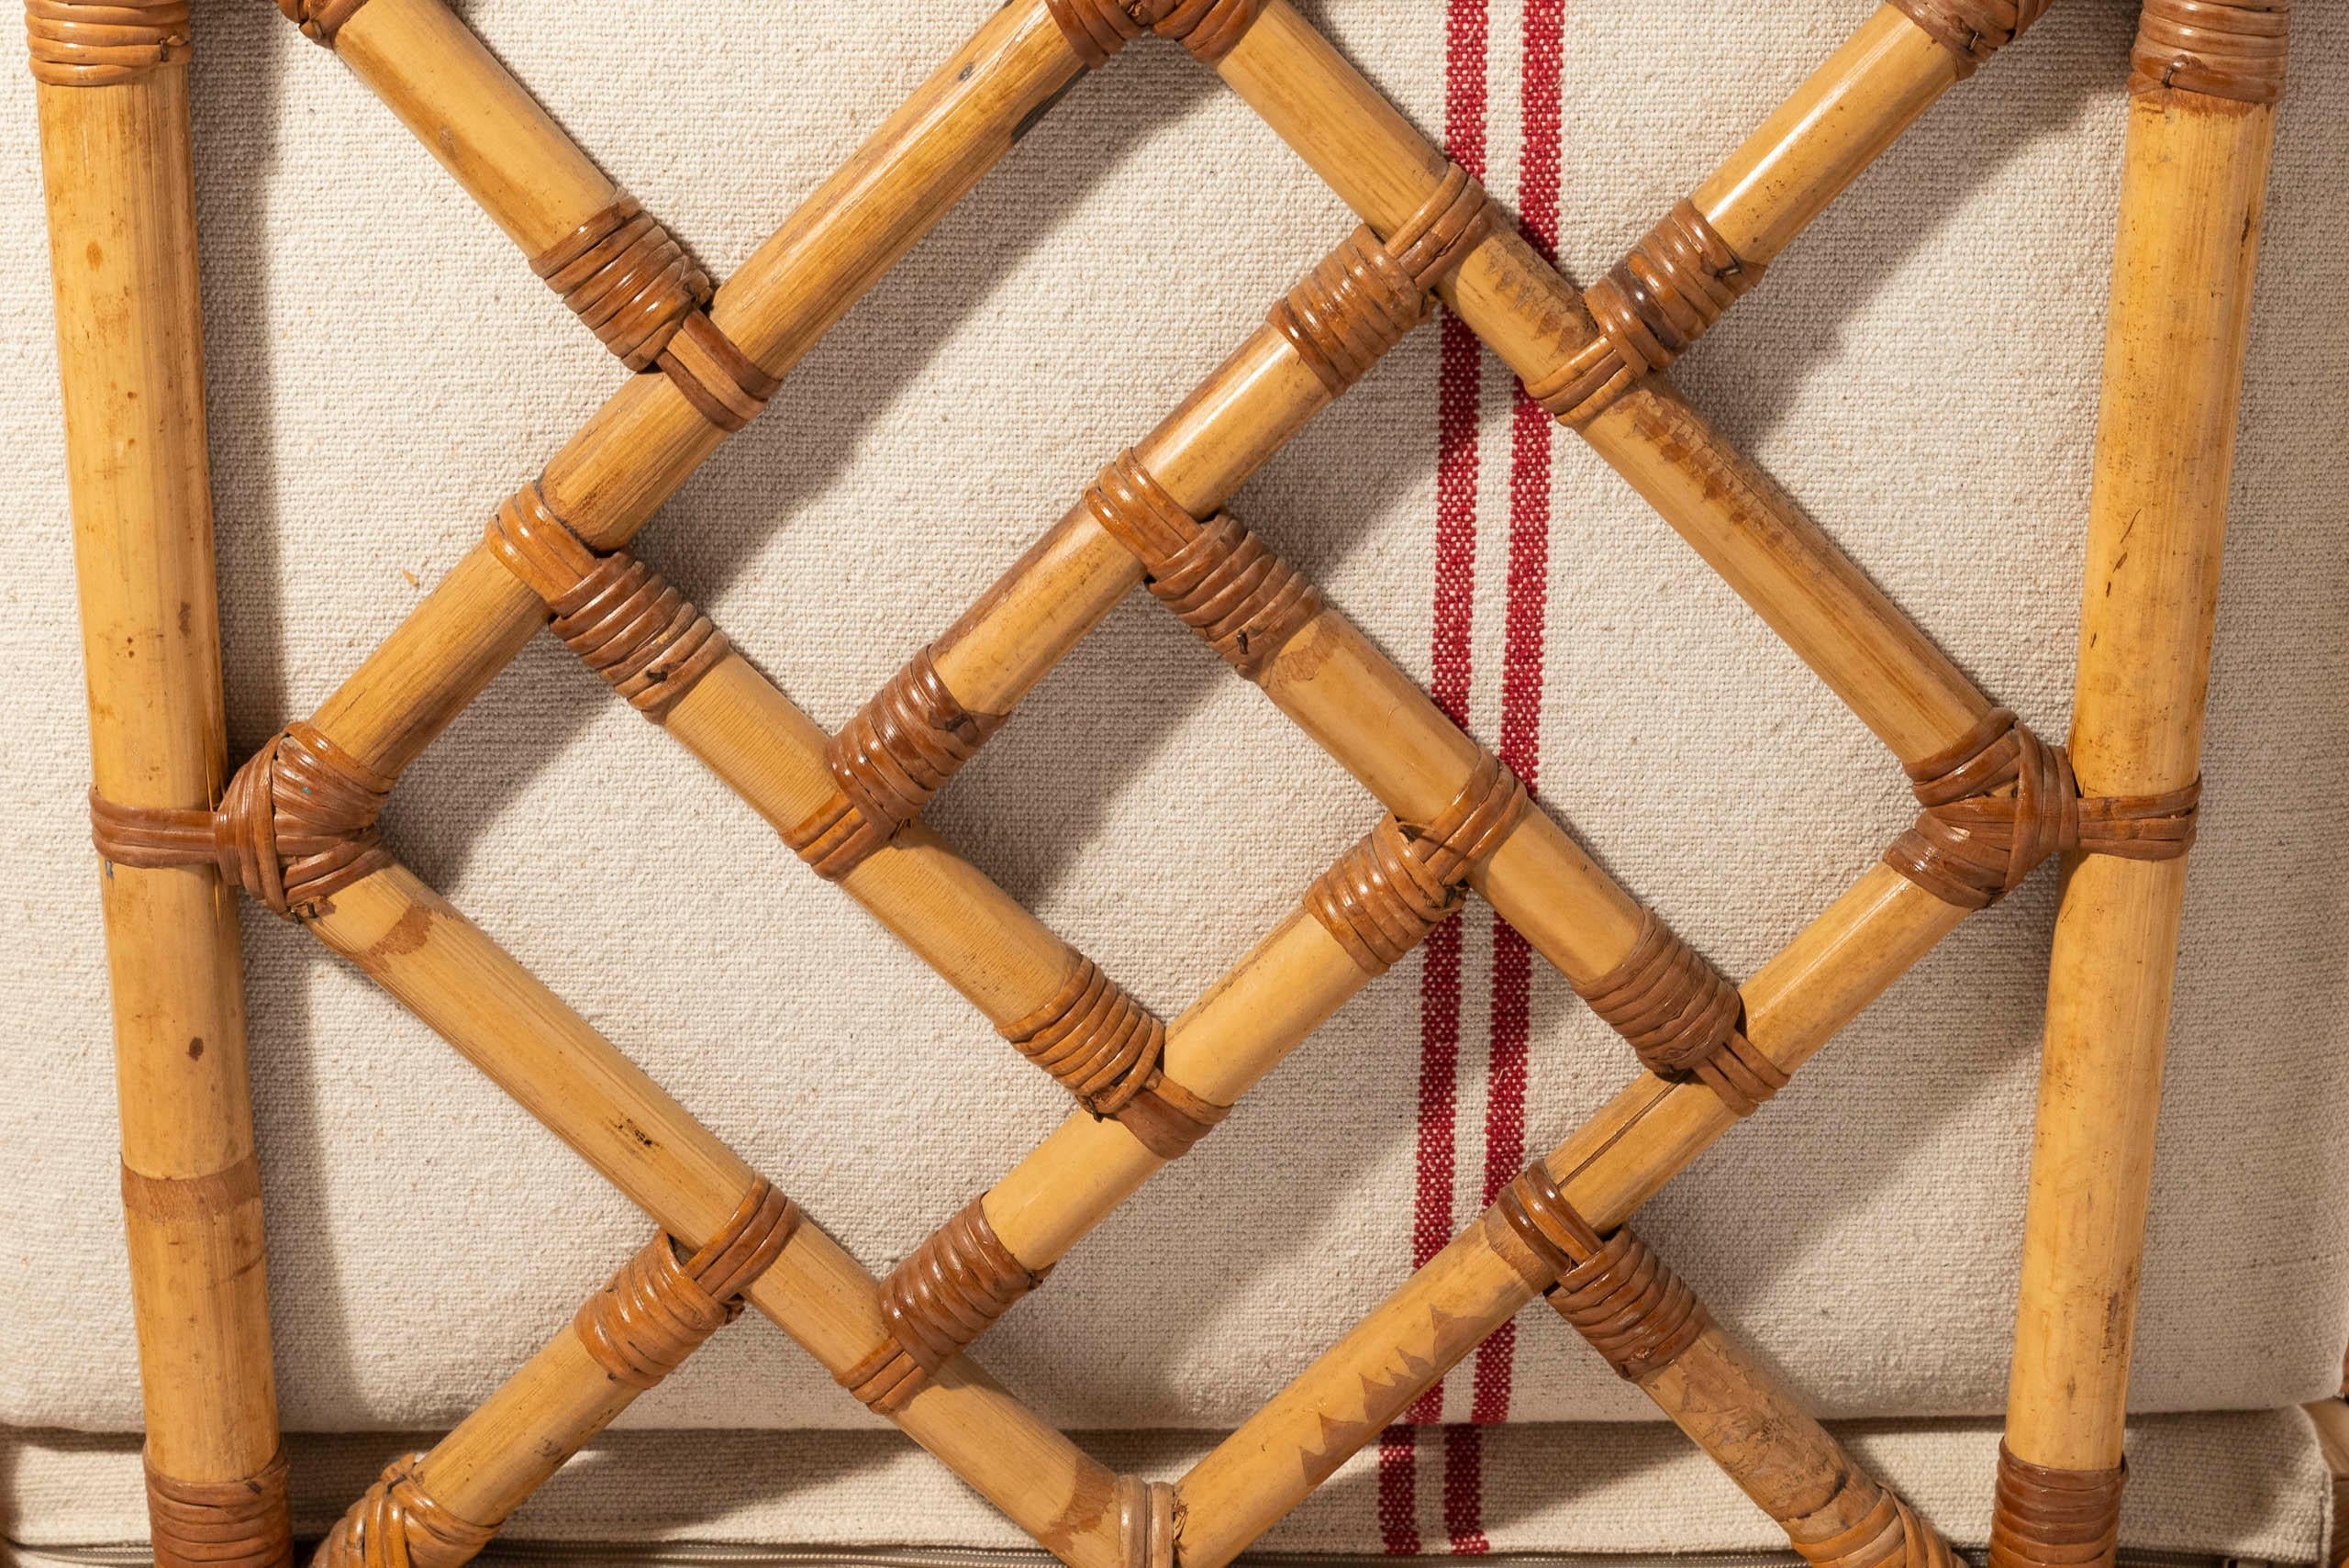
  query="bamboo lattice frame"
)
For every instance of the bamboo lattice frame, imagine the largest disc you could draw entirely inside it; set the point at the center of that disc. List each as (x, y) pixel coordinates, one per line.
(295, 826)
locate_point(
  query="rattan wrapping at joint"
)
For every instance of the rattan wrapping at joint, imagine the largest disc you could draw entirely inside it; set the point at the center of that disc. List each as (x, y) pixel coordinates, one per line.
(220, 1524)
(396, 1524)
(2001, 800)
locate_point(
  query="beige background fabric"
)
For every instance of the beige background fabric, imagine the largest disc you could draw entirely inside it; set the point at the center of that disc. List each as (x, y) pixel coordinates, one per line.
(2247, 1484)
(1919, 372)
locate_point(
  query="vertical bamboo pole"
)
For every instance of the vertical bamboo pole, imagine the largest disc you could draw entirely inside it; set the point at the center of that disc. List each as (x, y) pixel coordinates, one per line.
(120, 189)
(2201, 119)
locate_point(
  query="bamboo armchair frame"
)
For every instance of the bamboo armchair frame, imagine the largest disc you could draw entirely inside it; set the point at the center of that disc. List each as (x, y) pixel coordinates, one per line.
(295, 826)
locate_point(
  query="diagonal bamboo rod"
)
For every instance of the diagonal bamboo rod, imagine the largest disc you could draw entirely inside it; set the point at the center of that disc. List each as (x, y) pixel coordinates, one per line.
(2194, 173)
(1891, 677)
(615, 266)
(1372, 906)
(1621, 1157)
(634, 451)
(439, 1509)
(118, 181)
(1309, 658)
(578, 1084)
(1620, 1298)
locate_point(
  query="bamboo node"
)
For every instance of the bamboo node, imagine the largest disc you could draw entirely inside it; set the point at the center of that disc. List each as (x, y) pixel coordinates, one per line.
(643, 638)
(901, 748)
(320, 19)
(726, 386)
(1659, 299)
(103, 43)
(1354, 305)
(296, 824)
(2223, 49)
(1684, 1019)
(1096, 1040)
(1399, 881)
(221, 1524)
(1617, 1293)
(624, 275)
(2046, 1516)
(1095, 29)
(2001, 800)
(1888, 1533)
(1149, 1521)
(658, 1308)
(1972, 31)
(396, 1524)
(945, 1295)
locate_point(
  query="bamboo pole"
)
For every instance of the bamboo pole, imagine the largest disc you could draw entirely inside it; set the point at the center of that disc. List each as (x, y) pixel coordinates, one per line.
(1897, 682)
(2193, 172)
(634, 452)
(1653, 1330)
(118, 181)
(438, 1509)
(578, 1084)
(482, 124)
(1613, 1163)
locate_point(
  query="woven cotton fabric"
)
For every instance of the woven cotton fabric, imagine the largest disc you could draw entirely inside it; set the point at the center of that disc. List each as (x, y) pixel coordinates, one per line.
(2238, 1486)
(1918, 371)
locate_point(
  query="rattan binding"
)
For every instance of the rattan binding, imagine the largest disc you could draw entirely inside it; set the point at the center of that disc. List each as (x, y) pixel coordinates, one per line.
(2001, 800)
(219, 1524)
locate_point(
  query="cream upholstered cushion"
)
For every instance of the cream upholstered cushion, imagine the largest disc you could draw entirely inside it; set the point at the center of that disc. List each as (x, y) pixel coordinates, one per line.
(1920, 371)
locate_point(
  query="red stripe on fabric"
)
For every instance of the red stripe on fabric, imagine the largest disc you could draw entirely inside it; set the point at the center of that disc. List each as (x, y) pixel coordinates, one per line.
(1398, 1492)
(1527, 604)
(1459, 377)
(1463, 1491)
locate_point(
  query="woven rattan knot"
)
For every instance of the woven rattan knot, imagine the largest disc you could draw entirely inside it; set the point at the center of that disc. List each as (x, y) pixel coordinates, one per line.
(1244, 600)
(1379, 899)
(1217, 576)
(320, 19)
(1356, 303)
(296, 824)
(99, 43)
(659, 1307)
(1452, 222)
(1888, 1533)
(2001, 800)
(623, 274)
(2223, 49)
(901, 748)
(948, 1293)
(220, 1524)
(1148, 1523)
(1684, 1019)
(1661, 297)
(1095, 29)
(1972, 31)
(1096, 1041)
(395, 1524)
(2043, 1517)
(1168, 1120)
(1399, 881)
(725, 386)
(643, 636)
(1616, 1292)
